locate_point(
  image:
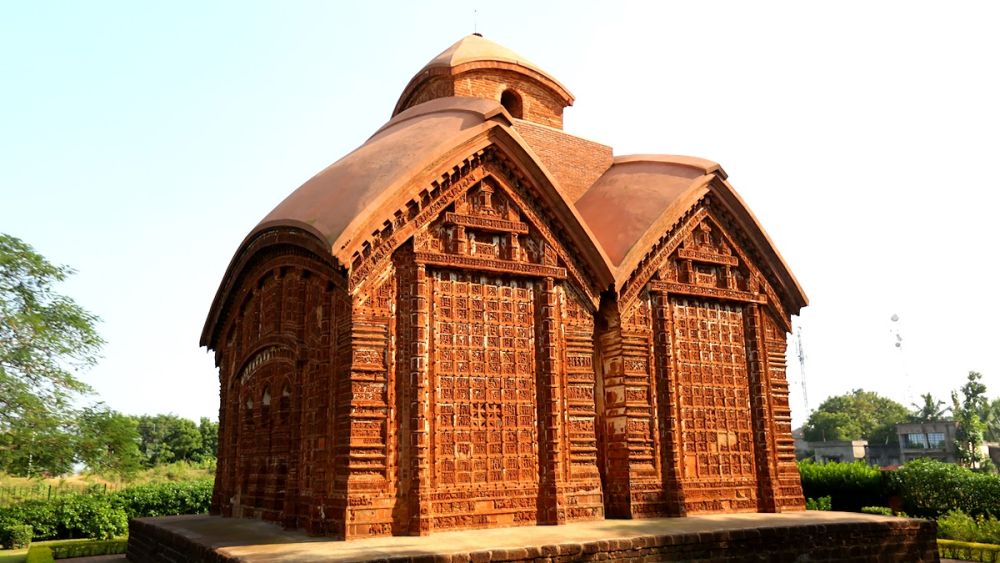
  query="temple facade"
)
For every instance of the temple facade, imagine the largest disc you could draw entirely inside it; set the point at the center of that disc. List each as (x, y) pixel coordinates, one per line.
(476, 319)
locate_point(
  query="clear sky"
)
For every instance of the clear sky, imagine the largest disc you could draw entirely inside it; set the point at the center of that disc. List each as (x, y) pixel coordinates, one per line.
(140, 142)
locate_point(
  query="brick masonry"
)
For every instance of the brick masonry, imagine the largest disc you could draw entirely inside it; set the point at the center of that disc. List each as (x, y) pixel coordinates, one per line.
(470, 369)
(890, 540)
(575, 162)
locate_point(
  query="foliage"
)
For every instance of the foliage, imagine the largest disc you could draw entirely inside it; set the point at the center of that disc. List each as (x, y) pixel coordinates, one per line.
(16, 489)
(967, 551)
(821, 503)
(969, 433)
(15, 536)
(825, 426)
(44, 336)
(931, 410)
(931, 488)
(37, 443)
(883, 510)
(191, 497)
(855, 416)
(991, 421)
(957, 525)
(165, 438)
(209, 438)
(175, 472)
(74, 516)
(851, 485)
(89, 548)
(108, 441)
(98, 517)
(104, 516)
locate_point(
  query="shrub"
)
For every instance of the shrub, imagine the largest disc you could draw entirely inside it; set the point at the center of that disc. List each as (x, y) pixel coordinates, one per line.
(94, 517)
(931, 488)
(89, 549)
(957, 525)
(40, 554)
(821, 503)
(164, 499)
(15, 536)
(104, 516)
(39, 514)
(851, 486)
(968, 551)
(883, 510)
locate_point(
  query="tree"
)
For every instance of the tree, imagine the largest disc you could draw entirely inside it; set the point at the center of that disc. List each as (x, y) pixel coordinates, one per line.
(44, 336)
(108, 441)
(37, 444)
(991, 419)
(858, 415)
(209, 438)
(970, 427)
(165, 438)
(930, 411)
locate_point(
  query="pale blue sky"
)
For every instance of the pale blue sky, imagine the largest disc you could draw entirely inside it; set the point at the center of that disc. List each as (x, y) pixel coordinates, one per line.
(140, 142)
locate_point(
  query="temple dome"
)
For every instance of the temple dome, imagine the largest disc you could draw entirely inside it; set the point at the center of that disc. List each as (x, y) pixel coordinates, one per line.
(478, 67)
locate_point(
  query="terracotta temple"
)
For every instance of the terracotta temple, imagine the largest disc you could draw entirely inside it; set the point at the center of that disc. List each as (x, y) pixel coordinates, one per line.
(476, 319)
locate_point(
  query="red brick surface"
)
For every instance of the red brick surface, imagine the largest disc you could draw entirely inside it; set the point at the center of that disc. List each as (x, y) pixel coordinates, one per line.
(889, 540)
(476, 373)
(575, 162)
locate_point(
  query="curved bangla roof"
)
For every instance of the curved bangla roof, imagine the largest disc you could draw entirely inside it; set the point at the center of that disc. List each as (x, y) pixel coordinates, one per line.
(337, 203)
(356, 194)
(640, 198)
(615, 223)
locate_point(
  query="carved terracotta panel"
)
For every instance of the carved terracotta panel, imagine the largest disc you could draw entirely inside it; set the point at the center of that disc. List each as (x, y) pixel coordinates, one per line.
(717, 435)
(485, 422)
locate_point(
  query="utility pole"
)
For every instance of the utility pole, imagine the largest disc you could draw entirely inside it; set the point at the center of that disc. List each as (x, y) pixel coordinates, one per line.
(896, 330)
(801, 353)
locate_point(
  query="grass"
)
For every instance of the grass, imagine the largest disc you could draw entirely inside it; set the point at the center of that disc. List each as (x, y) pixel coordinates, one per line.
(13, 489)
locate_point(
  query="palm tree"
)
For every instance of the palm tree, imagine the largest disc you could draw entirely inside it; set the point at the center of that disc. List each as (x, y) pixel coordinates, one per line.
(931, 410)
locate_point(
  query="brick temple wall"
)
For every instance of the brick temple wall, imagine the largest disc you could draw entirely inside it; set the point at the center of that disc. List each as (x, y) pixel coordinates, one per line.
(475, 377)
(276, 450)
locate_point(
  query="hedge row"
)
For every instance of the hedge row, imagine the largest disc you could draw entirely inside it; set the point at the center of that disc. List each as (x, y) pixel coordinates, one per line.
(931, 488)
(921, 487)
(968, 551)
(957, 525)
(850, 486)
(105, 516)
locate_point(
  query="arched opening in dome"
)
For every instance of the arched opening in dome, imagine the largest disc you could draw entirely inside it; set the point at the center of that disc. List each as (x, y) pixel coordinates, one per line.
(511, 101)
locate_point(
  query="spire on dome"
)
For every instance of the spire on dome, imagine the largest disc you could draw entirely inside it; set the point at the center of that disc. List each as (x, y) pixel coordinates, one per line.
(478, 67)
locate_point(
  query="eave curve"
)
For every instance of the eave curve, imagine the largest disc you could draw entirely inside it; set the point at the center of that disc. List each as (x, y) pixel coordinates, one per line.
(344, 204)
(668, 186)
(339, 201)
(259, 240)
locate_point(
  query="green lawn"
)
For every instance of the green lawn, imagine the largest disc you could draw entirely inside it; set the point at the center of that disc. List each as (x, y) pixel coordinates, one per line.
(12, 555)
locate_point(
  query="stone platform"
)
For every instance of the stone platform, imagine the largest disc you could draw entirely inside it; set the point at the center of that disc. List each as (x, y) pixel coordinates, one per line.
(797, 536)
